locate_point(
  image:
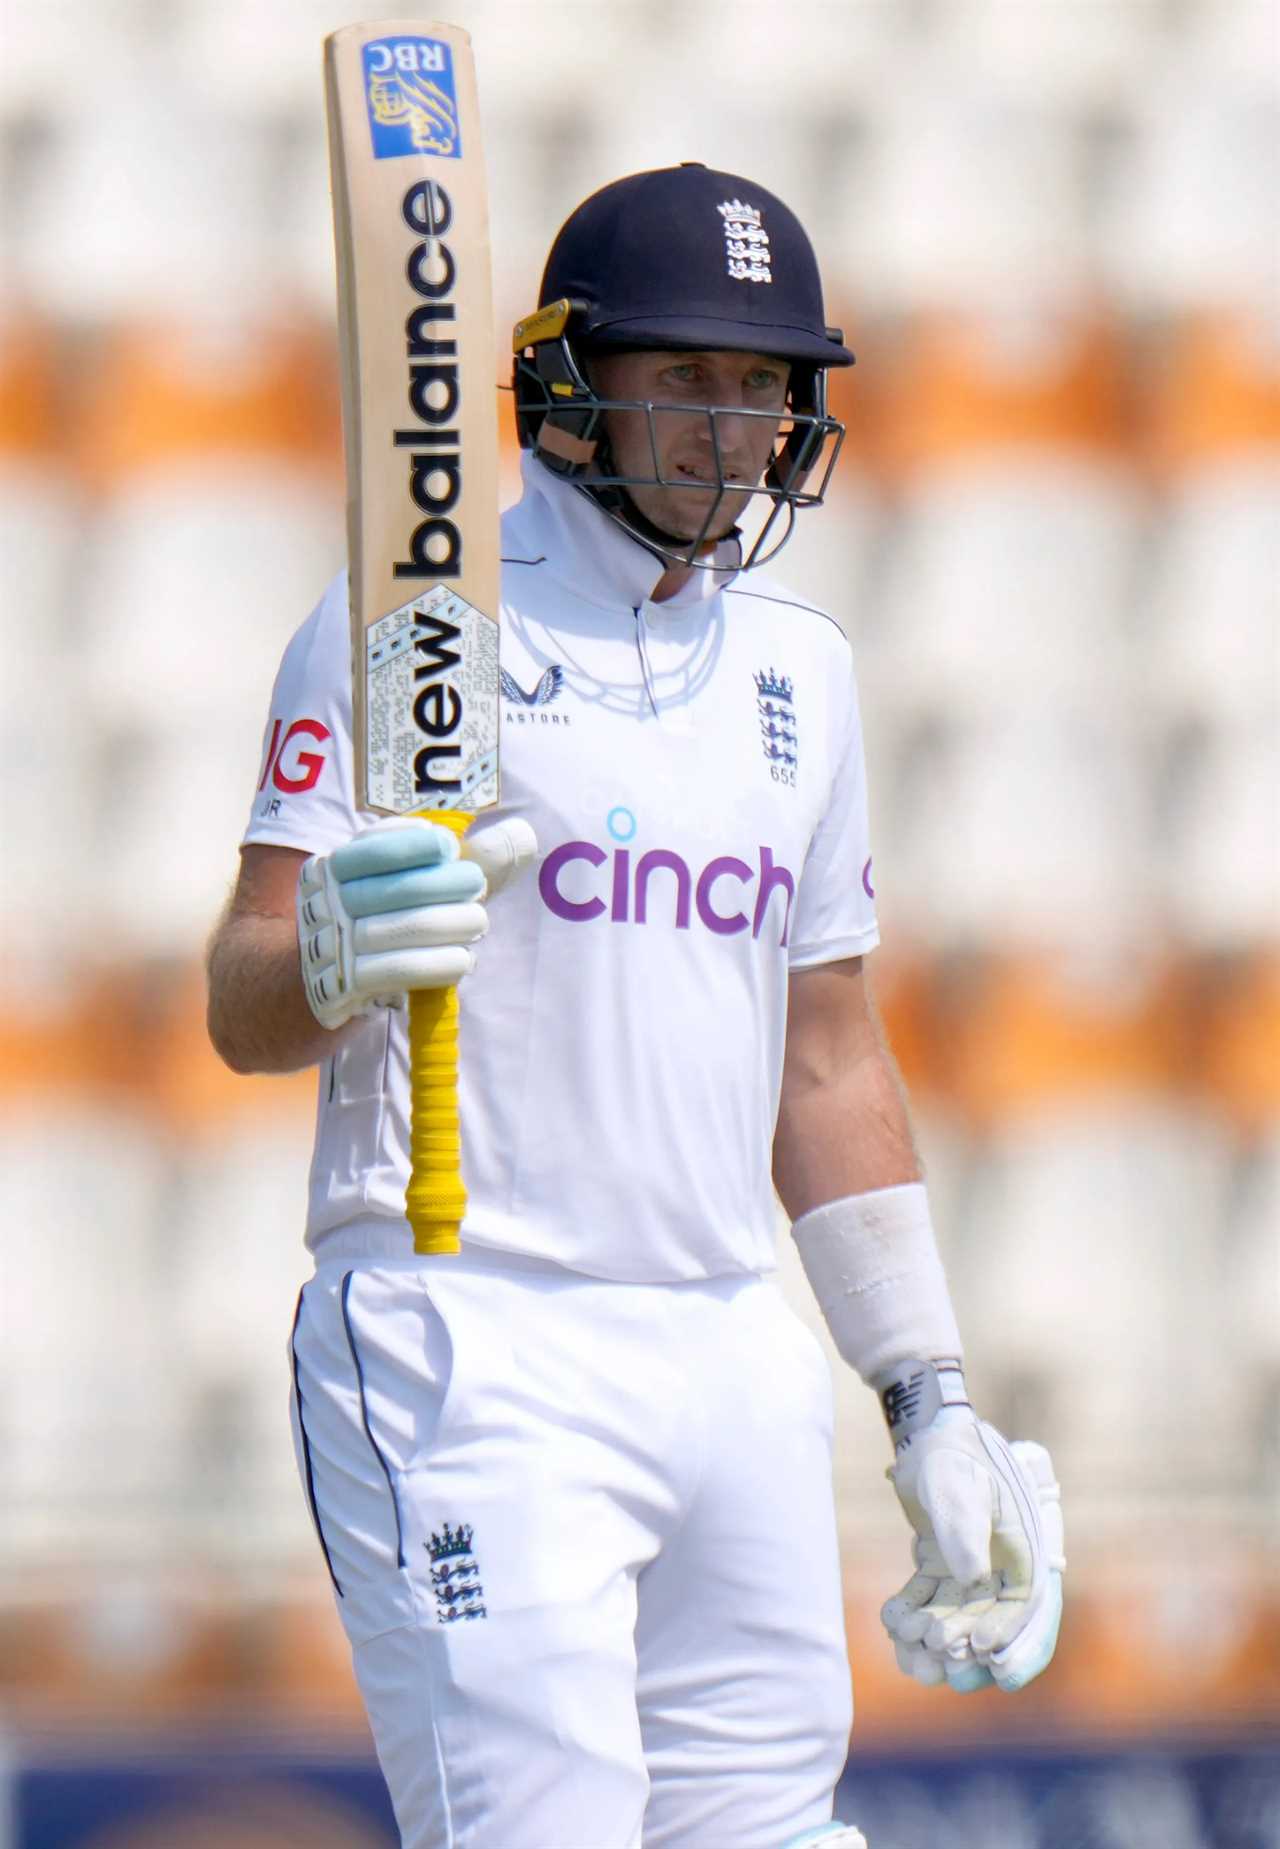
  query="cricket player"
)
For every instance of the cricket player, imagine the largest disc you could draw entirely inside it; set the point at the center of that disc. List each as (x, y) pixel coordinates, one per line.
(572, 1487)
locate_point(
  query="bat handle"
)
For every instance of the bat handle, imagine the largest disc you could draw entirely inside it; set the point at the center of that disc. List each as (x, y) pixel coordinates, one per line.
(435, 1199)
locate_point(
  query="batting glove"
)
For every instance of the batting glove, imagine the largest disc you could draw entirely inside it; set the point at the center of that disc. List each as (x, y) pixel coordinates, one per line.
(985, 1602)
(396, 908)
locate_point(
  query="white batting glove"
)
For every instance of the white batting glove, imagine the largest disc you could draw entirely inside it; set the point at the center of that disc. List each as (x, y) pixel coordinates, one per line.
(396, 908)
(985, 1602)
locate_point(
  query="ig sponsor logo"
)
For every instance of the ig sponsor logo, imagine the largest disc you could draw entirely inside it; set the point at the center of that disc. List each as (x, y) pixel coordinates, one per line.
(288, 764)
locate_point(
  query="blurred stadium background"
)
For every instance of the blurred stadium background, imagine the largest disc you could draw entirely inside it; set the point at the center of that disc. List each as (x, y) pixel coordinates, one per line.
(1049, 228)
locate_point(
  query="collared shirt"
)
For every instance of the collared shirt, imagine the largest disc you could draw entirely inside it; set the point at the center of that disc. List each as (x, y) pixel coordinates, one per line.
(693, 771)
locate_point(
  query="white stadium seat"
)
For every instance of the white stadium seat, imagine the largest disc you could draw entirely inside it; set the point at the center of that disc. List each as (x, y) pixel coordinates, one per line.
(1090, 1287)
(1251, 1255)
(46, 765)
(41, 527)
(1211, 632)
(87, 1352)
(201, 574)
(1026, 830)
(1217, 862)
(148, 200)
(43, 43)
(1007, 580)
(237, 1262)
(1232, 45)
(201, 580)
(1081, 57)
(968, 195)
(260, 60)
(1190, 222)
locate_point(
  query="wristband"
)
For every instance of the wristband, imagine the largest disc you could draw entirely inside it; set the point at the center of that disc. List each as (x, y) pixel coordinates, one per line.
(872, 1262)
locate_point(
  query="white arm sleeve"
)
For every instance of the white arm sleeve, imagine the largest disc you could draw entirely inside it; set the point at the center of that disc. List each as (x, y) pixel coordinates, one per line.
(303, 798)
(835, 913)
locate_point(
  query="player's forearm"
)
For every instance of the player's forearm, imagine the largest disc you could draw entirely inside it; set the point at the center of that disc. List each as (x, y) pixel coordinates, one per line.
(842, 1131)
(258, 1017)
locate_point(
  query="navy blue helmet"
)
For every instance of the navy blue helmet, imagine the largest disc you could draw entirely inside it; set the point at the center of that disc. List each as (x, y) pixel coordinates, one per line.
(688, 259)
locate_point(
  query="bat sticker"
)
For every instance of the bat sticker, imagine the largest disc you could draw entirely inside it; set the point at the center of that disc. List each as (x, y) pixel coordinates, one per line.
(413, 105)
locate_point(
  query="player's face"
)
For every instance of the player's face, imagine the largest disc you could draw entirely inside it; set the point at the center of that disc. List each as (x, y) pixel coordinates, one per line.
(683, 384)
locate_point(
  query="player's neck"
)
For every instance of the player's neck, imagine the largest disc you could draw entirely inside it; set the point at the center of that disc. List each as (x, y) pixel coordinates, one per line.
(671, 582)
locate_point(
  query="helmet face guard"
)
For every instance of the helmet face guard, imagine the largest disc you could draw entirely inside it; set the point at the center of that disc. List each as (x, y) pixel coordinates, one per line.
(562, 420)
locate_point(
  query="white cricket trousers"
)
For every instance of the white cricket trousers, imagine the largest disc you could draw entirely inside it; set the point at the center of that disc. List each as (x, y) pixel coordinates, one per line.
(582, 1541)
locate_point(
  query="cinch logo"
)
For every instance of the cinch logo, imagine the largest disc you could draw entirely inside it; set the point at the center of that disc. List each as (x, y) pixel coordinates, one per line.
(661, 885)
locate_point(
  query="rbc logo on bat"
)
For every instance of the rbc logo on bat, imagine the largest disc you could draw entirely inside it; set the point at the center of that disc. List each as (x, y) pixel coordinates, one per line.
(413, 105)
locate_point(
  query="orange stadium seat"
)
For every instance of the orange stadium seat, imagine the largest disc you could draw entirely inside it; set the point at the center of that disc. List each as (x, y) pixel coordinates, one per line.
(29, 395)
(1235, 1067)
(184, 394)
(1218, 862)
(45, 756)
(1216, 396)
(304, 1660)
(1024, 1034)
(961, 385)
(187, 1089)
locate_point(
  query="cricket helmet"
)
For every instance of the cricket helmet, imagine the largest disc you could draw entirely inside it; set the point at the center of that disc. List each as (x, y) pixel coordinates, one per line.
(688, 259)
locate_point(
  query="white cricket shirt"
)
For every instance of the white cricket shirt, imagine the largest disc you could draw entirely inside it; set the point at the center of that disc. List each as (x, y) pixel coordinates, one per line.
(693, 771)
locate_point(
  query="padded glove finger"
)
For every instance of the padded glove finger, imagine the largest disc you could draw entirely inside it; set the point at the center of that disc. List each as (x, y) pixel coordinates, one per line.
(913, 1627)
(423, 928)
(967, 1677)
(918, 1663)
(395, 843)
(501, 850)
(447, 883)
(899, 1613)
(394, 971)
(956, 1611)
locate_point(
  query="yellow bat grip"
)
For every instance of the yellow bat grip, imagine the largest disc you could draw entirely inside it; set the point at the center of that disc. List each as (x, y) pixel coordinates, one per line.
(435, 1199)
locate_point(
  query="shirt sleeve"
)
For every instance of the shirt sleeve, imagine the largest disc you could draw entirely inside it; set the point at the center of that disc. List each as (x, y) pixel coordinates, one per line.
(304, 794)
(835, 906)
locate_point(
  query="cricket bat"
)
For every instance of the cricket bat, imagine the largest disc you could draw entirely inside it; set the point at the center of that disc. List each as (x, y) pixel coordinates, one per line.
(416, 335)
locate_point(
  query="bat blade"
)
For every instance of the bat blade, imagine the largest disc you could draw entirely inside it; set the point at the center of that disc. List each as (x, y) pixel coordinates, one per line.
(416, 336)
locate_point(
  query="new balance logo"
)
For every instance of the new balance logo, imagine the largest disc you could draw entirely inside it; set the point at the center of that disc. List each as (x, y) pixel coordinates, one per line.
(901, 1400)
